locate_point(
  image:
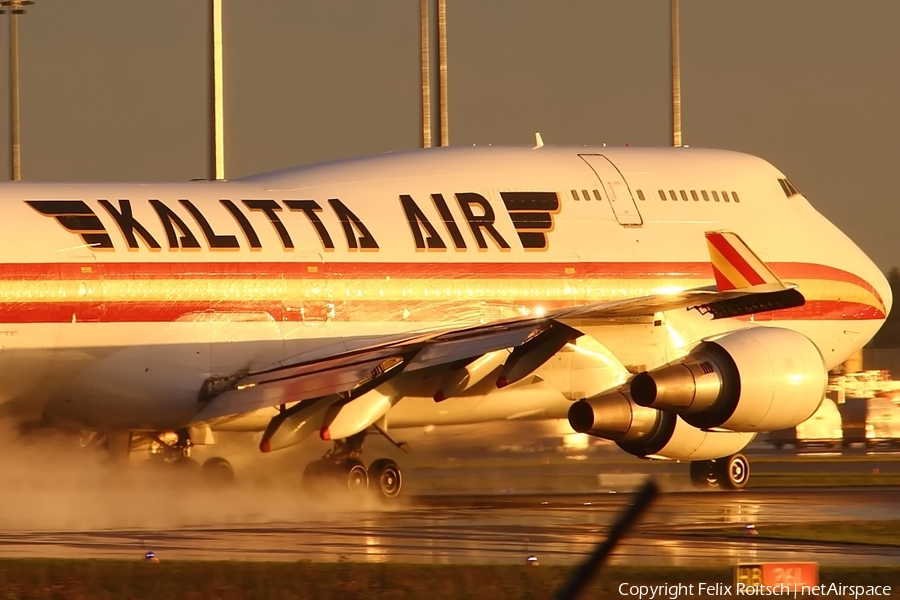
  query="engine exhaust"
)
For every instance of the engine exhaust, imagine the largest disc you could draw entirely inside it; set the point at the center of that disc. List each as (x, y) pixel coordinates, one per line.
(613, 416)
(691, 386)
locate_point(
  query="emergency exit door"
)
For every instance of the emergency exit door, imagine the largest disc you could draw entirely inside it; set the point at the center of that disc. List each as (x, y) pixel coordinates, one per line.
(616, 190)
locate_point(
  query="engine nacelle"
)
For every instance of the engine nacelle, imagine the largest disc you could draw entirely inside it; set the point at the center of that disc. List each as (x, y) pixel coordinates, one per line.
(647, 432)
(756, 379)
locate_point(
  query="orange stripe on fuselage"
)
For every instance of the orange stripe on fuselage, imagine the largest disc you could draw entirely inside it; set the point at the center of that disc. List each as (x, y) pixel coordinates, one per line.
(129, 291)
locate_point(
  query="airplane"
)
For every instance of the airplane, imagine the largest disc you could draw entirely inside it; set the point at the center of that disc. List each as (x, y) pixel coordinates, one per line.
(676, 301)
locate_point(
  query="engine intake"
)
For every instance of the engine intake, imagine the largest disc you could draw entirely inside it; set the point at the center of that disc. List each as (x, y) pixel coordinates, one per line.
(755, 379)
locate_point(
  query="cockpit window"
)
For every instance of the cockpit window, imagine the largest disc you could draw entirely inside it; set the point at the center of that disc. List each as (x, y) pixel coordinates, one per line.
(791, 187)
(784, 187)
(788, 188)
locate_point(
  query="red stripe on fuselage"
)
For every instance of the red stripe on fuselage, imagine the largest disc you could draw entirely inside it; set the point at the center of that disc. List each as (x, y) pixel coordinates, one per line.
(414, 270)
(595, 274)
(360, 311)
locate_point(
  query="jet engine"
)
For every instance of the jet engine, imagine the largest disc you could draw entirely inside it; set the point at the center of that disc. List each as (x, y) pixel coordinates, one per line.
(755, 379)
(647, 432)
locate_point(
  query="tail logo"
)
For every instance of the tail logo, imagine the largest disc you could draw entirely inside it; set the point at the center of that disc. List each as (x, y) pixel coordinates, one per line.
(734, 264)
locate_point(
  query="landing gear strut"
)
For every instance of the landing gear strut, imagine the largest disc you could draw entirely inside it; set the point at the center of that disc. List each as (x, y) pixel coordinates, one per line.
(175, 450)
(729, 473)
(341, 468)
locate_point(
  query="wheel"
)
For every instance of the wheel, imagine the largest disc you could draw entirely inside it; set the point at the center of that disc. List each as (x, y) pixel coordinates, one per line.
(733, 472)
(186, 464)
(386, 477)
(355, 474)
(218, 471)
(315, 474)
(703, 474)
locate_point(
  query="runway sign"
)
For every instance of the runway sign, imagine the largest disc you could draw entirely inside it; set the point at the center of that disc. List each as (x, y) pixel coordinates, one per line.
(778, 574)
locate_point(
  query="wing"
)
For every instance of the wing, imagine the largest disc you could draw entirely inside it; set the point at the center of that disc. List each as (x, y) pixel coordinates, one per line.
(758, 290)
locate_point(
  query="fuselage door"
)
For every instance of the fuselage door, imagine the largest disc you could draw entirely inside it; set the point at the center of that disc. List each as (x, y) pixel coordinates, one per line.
(616, 189)
(308, 294)
(81, 274)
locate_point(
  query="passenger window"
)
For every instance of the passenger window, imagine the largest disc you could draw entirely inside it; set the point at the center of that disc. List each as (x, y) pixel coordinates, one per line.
(640, 195)
(673, 196)
(662, 195)
(715, 195)
(575, 194)
(683, 195)
(725, 196)
(694, 195)
(597, 195)
(734, 196)
(705, 196)
(585, 194)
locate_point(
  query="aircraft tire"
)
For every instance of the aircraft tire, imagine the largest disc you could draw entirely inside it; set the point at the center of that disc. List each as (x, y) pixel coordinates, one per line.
(703, 474)
(186, 464)
(733, 472)
(315, 475)
(218, 471)
(385, 478)
(355, 475)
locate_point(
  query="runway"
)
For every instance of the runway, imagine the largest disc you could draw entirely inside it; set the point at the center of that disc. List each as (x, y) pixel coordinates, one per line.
(557, 528)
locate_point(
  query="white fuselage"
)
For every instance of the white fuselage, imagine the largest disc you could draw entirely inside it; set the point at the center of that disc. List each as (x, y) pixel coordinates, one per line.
(117, 301)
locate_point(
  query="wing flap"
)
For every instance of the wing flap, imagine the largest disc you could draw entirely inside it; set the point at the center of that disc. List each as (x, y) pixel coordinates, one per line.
(292, 385)
(477, 343)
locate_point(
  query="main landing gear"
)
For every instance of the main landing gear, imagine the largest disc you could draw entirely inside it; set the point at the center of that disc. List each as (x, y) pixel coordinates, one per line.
(174, 450)
(341, 469)
(729, 473)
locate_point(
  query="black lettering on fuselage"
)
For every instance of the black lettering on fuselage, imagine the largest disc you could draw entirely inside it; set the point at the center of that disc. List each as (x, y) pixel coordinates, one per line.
(310, 208)
(244, 224)
(170, 222)
(449, 222)
(532, 216)
(128, 225)
(215, 241)
(77, 217)
(484, 221)
(417, 221)
(355, 231)
(271, 209)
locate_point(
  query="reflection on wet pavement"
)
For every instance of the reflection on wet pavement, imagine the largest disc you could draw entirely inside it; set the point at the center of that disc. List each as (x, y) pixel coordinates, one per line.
(558, 528)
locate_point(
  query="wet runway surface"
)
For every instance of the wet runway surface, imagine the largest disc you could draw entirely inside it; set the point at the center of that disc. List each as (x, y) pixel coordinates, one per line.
(505, 528)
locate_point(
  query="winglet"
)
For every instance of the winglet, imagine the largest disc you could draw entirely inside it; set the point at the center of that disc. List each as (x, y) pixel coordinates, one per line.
(735, 265)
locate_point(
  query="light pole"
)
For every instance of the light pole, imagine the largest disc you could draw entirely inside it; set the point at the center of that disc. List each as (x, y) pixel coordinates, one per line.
(15, 9)
(425, 58)
(217, 111)
(676, 76)
(442, 75)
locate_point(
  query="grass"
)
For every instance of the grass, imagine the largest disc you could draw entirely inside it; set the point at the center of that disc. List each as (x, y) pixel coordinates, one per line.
(38, 579)
(882, 533)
